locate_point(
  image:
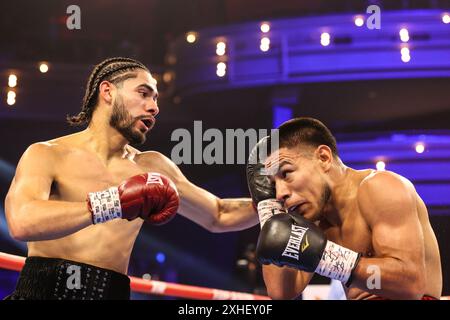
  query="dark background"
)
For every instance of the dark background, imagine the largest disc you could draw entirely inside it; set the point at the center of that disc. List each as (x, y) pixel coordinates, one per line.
(35, 31)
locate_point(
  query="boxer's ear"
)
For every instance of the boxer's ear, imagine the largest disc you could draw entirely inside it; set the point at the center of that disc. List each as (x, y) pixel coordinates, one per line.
(105, 91)
(325, 157)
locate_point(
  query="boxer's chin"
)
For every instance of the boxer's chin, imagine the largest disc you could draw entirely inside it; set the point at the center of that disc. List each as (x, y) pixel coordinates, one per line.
(133, 135)
(313, 214)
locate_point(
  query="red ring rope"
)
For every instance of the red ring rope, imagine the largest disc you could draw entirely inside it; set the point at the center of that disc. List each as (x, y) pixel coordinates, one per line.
(12, 262)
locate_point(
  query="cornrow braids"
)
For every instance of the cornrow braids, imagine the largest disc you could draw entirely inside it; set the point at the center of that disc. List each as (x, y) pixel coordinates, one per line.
(114, 70)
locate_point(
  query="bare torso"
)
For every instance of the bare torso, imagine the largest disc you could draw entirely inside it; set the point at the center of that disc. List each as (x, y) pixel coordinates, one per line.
(79, 171)
(354, 233)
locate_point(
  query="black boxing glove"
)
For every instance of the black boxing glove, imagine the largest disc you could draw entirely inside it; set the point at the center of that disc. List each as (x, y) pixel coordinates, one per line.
(262, 190)
(291, 240)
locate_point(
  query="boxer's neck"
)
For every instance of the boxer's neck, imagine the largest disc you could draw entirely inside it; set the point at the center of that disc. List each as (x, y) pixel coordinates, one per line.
(105, 140)
(341, 182)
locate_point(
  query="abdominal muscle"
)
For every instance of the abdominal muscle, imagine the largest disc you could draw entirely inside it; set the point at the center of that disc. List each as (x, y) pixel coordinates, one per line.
(108, 245)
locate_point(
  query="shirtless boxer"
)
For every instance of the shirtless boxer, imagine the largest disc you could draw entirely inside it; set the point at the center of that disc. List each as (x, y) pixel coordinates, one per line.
(345, 224)
(80, 200)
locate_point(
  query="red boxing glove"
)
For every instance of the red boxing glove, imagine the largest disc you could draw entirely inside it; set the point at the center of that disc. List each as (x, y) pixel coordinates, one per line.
(151, 196)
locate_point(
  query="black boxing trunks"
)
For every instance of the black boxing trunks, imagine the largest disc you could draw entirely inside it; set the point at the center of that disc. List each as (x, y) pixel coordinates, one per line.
(60, 279)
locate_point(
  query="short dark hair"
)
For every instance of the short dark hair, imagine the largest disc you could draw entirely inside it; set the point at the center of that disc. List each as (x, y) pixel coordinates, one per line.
(114, 70)
(308, 131)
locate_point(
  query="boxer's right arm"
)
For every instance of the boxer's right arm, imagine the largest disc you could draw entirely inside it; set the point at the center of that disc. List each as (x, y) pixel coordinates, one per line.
(284, 283)
(31, 216)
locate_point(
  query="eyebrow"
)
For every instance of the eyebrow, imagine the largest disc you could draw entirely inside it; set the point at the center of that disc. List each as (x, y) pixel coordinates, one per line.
(282, 163)
(285, 162)
(149, 88)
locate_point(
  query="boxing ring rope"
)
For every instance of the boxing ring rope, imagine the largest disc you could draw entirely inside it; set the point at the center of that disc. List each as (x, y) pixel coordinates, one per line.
(15, 263)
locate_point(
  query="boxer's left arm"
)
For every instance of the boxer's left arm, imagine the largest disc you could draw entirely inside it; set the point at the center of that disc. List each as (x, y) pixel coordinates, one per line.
(199, 205)
(388, 203)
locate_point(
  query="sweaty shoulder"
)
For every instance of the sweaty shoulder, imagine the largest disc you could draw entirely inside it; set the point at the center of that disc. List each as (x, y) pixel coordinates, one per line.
(41, 150)
(39, 159)
(58, 146)
(54, 149)
(149, 157)
(157, 162)
(381, 190)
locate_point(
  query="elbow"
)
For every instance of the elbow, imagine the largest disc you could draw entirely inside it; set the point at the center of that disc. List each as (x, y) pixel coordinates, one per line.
(18, 233)
(218, 224)
(17, 230)
(278, 292)
(281, 294)
(216, 227)
(277, 295)
(213, 228)
(413, 293)
(415, 287)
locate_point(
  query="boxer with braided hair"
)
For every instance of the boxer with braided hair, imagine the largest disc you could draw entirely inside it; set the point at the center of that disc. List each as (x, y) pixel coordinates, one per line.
(80, 200)
(115, 70)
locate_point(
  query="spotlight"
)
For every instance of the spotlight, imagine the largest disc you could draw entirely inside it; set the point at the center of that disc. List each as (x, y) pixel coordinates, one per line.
(265, 44)
(11, 94)
(404, 35)
(264, 48)
(420, 147)
(220, 48)
(325, 39)
(191, 37)
(11, 98)
(406, 57)
(221, 72)
(160, 257)
(265, 27)
(12, 80)
(221, 69)
(404, 51)
(381, 166)
(221, 66)
(265, 41)
(446, 18)
(359, 21)
(168, 76)
(43, 67)
(10, 102)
